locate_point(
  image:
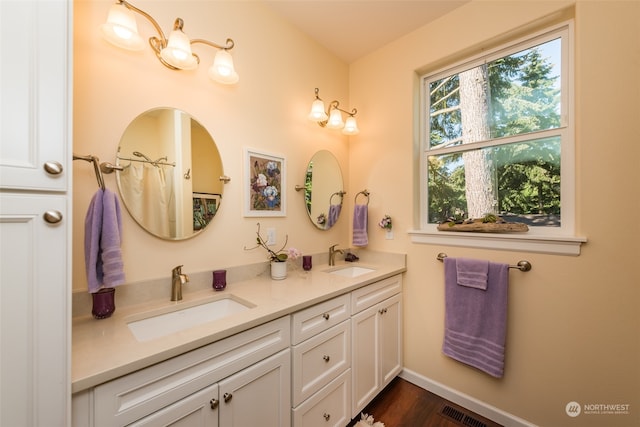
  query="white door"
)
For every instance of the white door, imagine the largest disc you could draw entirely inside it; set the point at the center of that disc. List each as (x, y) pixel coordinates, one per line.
(35, 87)
(34, 310)
(259, 395)
(390, 339)
(365, 365)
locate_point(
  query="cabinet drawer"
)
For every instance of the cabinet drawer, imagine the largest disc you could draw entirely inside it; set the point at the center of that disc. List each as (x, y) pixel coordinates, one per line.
(329, 407)
(129, 398)
(320, 359)
(370, 295)
(307, 323)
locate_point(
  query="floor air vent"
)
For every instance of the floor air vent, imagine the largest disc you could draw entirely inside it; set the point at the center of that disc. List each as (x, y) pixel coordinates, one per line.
(461, 417)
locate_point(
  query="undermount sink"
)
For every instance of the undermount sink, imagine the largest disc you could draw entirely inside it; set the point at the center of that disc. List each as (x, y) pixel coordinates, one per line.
(169, 320)
(351, 271)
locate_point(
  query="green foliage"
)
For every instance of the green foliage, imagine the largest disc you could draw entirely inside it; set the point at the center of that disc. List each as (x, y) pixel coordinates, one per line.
(524, 98)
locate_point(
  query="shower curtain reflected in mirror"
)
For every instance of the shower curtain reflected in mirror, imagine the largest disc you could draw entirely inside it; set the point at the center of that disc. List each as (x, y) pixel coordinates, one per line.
(150, 197)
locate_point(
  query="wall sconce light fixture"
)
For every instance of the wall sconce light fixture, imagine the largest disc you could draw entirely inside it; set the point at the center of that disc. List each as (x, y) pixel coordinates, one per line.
(332, 118)
(173, 52)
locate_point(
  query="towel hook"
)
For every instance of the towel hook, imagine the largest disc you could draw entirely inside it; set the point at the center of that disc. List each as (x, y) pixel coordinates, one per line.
(523, 265)
(365, 192)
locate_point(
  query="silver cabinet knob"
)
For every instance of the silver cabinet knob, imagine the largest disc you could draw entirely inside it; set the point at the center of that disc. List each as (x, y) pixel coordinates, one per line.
(326, 358)
(52, 167)
(227, 397)
(52, 217)
(326, 316)
(213, 403)
(326, 416)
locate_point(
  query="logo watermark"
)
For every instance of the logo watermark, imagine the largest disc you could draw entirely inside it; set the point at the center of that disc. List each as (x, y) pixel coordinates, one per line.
(573, 409)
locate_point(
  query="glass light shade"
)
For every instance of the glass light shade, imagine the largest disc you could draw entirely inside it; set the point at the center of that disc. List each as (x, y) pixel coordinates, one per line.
(222, 69)
(121, 29)
(178, 51)
(350, 126)
(317, 113)
(335, 120)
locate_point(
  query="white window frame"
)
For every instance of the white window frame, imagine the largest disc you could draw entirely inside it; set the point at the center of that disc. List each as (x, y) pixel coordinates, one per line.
(554, 240)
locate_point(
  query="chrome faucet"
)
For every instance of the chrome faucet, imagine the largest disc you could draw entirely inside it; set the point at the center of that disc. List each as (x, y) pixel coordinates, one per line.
(177, 280)
(332, 254)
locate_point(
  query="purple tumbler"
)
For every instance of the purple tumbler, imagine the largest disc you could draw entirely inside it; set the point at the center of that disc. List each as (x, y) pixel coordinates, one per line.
(306, 262)
(219, 280)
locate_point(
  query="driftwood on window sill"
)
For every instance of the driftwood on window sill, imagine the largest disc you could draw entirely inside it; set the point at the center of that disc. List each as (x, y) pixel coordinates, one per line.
(477, 226)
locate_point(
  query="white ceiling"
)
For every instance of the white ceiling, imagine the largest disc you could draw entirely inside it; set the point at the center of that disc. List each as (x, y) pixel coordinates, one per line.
(354, 28)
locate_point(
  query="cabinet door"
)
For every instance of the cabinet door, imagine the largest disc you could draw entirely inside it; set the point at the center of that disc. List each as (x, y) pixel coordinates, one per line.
(34, 82)
(364, 349)
(34, 311)
(390, 339)
(198, 410)
(329, 407)
(259, 395)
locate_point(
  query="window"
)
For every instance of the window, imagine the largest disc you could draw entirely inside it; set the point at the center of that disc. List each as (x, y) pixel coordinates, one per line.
(497, 137)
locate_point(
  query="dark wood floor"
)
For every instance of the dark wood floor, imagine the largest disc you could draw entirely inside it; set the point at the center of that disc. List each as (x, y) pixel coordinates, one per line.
(403, 404)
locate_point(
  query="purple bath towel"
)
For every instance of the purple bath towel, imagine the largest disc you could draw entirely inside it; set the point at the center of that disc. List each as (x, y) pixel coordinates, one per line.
(102, 230)
(334, 213)
(360, 236)
(476, 319)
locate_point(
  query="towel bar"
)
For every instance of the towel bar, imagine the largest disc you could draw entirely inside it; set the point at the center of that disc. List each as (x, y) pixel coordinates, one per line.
(522, 265)
(96, 167)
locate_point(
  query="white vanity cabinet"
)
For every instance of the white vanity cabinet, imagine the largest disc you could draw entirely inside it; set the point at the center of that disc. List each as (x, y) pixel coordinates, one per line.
(247, 398)
(321, 353)
(238, 381)
(376, 327)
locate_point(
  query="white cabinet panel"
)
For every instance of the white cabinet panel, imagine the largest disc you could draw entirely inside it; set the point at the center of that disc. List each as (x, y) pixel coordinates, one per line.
(34, 311)
(35, 87)
(320, 359)
(330, 407)
(197, 410)
(376, 339)
(320, 317)
(366, 375)
(259, 395)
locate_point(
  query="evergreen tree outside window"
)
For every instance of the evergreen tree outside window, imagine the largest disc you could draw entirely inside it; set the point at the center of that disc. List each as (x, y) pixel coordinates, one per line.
(497, 136)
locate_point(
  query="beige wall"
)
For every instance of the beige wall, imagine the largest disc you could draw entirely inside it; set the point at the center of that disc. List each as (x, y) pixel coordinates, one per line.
(573, 321)
(279, 68)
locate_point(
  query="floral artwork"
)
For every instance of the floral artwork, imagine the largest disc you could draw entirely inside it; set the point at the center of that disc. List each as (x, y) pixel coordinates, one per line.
(265, 179)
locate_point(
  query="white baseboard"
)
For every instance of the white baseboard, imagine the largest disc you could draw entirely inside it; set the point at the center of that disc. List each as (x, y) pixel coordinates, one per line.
(481, 408)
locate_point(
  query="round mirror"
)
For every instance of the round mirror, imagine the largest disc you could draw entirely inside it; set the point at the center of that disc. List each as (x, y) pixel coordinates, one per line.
(323, 190)
(171, 179)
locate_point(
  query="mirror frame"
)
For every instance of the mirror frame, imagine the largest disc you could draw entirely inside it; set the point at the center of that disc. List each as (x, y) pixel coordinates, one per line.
(323, 181)
(153, 144)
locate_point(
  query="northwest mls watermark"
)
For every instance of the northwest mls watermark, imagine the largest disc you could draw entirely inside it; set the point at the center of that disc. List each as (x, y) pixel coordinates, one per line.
(573, 409)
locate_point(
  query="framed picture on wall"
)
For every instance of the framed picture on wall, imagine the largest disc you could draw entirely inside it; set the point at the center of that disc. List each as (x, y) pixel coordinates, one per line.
(205, 206)
(264, 184)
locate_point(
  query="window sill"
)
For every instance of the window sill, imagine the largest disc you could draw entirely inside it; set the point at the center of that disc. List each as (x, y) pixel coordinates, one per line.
(556, 245)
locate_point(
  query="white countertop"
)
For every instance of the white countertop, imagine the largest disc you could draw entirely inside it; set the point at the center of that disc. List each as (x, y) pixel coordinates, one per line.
(106, 349)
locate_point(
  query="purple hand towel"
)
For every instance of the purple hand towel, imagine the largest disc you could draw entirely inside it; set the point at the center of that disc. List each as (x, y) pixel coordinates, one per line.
(334, 213)
(360, 214)
(92, 230)
(476, 320)
(102, 226)
(112, 265)
(472, 272)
